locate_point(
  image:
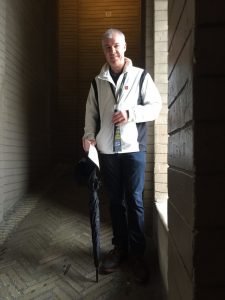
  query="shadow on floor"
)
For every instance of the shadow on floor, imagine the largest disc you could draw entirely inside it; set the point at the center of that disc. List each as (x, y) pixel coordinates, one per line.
(46, 250)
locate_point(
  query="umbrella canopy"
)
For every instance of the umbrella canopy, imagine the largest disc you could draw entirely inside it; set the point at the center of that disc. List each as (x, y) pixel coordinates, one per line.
(88, 172)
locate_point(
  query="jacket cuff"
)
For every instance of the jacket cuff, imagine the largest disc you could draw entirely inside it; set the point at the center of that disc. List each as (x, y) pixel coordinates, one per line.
(130, 114)
(88, 136)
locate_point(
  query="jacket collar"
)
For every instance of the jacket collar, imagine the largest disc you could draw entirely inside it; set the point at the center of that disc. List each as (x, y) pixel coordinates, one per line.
(104, 73)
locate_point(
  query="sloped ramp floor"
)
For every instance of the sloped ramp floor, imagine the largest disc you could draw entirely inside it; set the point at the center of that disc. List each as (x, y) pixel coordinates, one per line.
(46, 250)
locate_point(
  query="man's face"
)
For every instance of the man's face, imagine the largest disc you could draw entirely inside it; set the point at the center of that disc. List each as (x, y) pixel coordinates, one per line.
(114, 49)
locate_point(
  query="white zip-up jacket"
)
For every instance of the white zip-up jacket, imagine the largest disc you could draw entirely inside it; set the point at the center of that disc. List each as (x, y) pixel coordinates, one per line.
(133, 133)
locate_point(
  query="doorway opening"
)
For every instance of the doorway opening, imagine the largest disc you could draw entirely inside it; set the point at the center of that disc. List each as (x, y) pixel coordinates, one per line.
(145, 24)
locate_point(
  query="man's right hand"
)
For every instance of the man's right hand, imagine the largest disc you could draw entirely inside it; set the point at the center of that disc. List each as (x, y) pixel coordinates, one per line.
(87, 143)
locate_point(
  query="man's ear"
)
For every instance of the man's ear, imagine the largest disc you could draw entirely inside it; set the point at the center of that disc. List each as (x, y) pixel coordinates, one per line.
(125, 47)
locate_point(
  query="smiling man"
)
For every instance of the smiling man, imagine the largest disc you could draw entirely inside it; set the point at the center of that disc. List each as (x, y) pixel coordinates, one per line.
(114, 47)
(122, 98)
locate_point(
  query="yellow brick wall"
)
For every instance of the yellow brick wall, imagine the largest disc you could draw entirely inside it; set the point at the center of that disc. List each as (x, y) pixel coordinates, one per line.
(161, 80)
(156, 63)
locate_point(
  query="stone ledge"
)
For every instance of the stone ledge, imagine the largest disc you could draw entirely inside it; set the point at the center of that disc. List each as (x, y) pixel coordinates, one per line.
(162, 211)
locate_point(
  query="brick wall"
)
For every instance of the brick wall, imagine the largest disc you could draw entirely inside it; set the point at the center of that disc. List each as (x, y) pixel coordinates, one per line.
(160, 135)
(2, 71)
(156, 64)
(67, 142)
(149, 36)
(149, 65)
(161, 80)
(24, 97)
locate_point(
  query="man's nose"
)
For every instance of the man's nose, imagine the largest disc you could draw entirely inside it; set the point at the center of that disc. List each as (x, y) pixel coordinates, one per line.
(112, 49)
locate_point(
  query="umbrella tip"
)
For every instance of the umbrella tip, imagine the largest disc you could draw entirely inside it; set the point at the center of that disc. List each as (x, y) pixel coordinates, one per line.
(96, 275)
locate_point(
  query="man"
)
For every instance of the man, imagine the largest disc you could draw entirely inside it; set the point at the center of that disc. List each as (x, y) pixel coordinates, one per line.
(117, 108)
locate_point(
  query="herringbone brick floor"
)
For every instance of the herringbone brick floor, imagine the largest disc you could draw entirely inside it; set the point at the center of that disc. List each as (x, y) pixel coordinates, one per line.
(46, 250)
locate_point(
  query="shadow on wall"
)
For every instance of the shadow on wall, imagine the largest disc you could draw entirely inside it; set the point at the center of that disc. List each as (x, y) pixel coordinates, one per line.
(28, 91)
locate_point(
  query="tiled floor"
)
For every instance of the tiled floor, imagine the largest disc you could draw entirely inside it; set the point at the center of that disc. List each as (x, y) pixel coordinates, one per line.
(46, 250)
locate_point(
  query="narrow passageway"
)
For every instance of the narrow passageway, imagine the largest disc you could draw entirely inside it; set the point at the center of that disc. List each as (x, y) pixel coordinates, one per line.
(46, 250)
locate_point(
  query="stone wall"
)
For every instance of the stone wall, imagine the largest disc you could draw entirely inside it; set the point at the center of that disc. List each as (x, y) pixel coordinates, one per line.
(196, 150)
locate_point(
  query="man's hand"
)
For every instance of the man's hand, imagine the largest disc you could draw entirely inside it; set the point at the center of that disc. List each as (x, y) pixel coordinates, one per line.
(120, 117)
(87, 143)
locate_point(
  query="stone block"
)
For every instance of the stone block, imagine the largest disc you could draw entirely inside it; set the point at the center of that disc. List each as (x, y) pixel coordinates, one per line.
(161, 168)
(181, 188)
(161, 59)
(161, 5)
(213, 12)
(182, 234)
(161, 158)
(181, 110)
(209, 147)
(161, 197)
(161, 46)
(161, 78)
(180, 284)
(161, 187)
(175, 9)
(161, 15)
(161, 68)
(164, 98)
(161, 129)
(162, 149)
(181, 72)
(182, 30)
(180, 149)
(209, 262)
(209, 51)
(208, 90)
(161, 139)
(162, 234)
(206, 292)
(161, 36)
(162, 119)
(210, 199)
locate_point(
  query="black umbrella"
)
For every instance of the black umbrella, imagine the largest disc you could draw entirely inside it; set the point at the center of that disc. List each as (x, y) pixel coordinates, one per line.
(88, 172)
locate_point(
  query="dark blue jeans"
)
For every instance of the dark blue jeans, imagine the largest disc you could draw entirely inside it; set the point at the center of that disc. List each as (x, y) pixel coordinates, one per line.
(123, 176)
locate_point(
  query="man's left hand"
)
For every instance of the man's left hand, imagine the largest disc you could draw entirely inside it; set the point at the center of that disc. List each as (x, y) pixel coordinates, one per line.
(120, 117)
